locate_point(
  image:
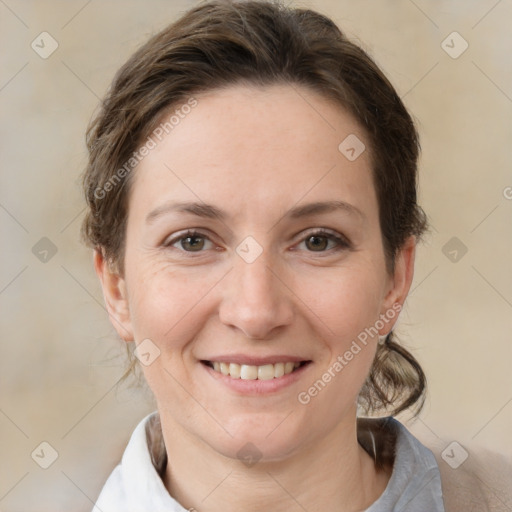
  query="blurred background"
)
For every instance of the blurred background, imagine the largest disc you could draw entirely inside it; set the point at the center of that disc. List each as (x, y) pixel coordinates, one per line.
(64, 416)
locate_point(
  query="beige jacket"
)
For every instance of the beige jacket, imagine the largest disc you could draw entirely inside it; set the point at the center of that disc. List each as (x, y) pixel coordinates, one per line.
(482, 483)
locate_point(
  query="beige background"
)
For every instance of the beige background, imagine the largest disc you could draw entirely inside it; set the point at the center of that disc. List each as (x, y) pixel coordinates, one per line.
(60, 358)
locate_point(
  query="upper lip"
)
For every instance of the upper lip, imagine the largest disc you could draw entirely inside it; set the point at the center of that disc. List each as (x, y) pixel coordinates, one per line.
(255, 361)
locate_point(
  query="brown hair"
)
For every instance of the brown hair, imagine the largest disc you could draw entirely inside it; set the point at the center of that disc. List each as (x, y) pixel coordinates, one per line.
(223, 42)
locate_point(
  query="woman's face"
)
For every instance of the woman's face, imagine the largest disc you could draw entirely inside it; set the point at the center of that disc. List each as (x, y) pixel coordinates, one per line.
(253, 245)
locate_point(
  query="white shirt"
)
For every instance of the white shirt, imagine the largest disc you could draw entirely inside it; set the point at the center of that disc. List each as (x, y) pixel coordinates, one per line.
(135, 484)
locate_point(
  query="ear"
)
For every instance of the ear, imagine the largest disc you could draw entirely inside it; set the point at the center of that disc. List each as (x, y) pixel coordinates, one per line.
(400, 283)
(115, 296)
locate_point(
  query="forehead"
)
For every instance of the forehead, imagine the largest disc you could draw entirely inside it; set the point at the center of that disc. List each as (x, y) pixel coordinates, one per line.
(257, 148)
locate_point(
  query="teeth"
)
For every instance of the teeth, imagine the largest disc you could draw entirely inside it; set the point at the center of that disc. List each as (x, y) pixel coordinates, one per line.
(234, 370)
(250, 372)
(278, 370)
(266, 372)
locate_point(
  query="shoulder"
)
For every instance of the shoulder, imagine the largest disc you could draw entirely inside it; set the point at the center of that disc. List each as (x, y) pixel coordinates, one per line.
(481, 483)
(471, 480)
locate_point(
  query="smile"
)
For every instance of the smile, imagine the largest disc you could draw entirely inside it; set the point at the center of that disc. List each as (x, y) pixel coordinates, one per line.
(252, 372)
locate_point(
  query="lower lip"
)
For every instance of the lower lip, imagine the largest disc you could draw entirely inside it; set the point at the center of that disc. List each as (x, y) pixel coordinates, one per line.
(256, 386)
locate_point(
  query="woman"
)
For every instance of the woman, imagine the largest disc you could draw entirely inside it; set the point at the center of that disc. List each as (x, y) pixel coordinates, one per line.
(252, 208)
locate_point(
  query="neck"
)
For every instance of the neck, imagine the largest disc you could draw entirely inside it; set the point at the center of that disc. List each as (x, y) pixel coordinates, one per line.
(330, 474)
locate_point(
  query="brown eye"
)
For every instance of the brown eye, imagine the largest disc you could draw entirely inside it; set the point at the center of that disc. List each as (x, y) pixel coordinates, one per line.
(325, 241)
(317, 243)
(192, 243)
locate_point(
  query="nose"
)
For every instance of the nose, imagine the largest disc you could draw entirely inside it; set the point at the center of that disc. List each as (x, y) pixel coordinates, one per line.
(255, 299)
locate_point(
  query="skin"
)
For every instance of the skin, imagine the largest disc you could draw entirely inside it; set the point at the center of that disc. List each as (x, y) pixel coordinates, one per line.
(256, 153)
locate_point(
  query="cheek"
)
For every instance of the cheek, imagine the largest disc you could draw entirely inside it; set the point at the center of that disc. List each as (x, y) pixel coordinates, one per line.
(168, 306)
(346, 302)
(162, 299)
(346, 306)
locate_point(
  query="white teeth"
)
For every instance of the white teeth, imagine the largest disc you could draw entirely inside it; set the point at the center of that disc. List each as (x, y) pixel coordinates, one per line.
(278, 370)
(251, 372)
(248, 372)
(266, 372)
(234, 370)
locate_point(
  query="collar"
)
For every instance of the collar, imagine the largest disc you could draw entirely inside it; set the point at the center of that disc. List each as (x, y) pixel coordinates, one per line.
(136, 484)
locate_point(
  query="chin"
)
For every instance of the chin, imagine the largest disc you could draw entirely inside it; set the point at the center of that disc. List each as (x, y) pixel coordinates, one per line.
(264, 440)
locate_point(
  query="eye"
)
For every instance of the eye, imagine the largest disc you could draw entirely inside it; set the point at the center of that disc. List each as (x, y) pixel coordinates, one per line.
(191, 241)
(323, 240)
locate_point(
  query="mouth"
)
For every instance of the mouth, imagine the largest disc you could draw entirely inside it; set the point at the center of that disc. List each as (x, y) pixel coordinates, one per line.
(268, 371)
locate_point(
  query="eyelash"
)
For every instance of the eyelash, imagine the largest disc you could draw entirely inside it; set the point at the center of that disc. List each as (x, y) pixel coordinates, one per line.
(342, 242)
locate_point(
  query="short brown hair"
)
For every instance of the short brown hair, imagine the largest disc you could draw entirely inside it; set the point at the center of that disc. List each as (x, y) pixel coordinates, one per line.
(225, 42)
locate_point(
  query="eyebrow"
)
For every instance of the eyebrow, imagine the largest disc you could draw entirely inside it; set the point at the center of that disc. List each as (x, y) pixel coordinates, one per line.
(212, 212)
(324, 207)
(199, 209)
